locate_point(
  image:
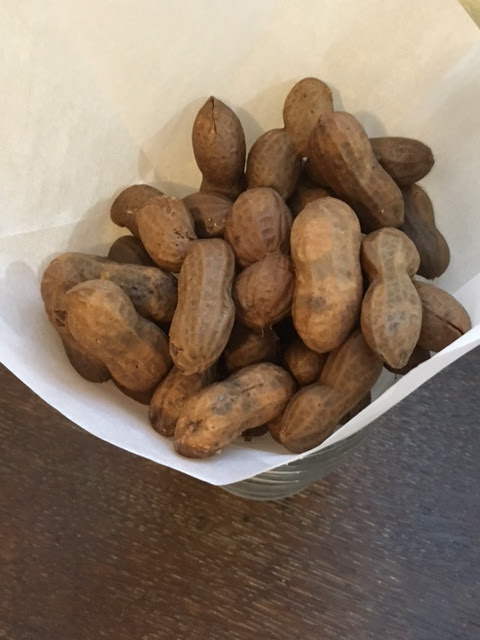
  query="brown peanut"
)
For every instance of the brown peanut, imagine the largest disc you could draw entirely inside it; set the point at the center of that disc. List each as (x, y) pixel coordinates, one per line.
(101, 317)
(314, 412)
(259, 223)
(325, 245)
(263, 292)
(171, 395)
(209, 212)
(152, 291)
(419, 225)
(304, 364)
(129, 250)
(419, 355)
(205, 312)
(305, 193)
(274, 162)
(404, 159)
(128, 202)
(444, 318)
(166, 228)
(341, 158)
(219, 148)
(306, 102)
(247, 347)
(391, 309)
(215, 416)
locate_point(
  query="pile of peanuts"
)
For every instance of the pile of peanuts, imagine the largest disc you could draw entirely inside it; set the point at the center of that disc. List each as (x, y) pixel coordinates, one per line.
(273, 297)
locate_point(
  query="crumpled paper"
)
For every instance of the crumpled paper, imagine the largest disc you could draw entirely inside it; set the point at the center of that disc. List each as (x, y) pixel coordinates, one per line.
(98, 96)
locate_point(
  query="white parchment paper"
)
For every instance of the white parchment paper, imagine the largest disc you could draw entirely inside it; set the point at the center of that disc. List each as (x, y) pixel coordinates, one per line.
(97, 96)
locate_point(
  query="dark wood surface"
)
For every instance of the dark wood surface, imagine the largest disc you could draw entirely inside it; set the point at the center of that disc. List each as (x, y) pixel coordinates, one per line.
(98, 543)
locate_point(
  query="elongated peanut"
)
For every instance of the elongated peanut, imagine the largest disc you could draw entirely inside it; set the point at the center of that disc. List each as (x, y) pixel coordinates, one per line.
(247, 347)
(306, 102)
(101, 317)
(259, 223)
(391, 309)
(404, 159)
(219, 148)
(444, 318)
(325, 245)
(209, 212)
(215, 416)
(166, 228)
(263, 291)
(128, 202)
(341, 158)
(274, 162)
(205, 312)
(152, 291)
(171, 395)
(315, 411)
(419, 225)
(129, 250)
(304, 364)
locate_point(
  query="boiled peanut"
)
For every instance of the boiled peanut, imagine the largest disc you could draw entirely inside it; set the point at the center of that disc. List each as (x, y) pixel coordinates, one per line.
(205, 312)
(128, 202)
(101, 317)
(215, 416)
(314, 412)
(306, 102)
(304, 364)
(209, 212)
(305, 193)
(263, 291)
(419, 226)
(166, 228)
(325, 245)
(274, 162)
(219, 148)
(259, 223)
(391, 309)
(404, 159)
(247, 347)
(444, 318)
(129, 250)
(419, 355)
(171, 395)
(341, 158)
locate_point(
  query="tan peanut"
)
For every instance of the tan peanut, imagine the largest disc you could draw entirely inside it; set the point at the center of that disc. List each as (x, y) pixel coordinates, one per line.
(341, 158)
(304, 364)
(129, 250)
(219, 148)
(215, 416)
(419, 225)
(263, 291)
(101, 317)
(314, 412)
(259, 223)
(205, 312)
(391, 309)
(306, 102)
(171, 395)
(247, 347)
(444, 318)
(128, 202)
(274, 162)
(166, 229)
(404, 159)
(209, 212)
(325, 246)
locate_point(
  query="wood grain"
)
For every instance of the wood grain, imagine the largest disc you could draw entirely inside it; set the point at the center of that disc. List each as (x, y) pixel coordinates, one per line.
(98, 543)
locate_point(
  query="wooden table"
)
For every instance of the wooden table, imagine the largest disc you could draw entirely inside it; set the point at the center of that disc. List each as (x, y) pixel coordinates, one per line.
(98, 543)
